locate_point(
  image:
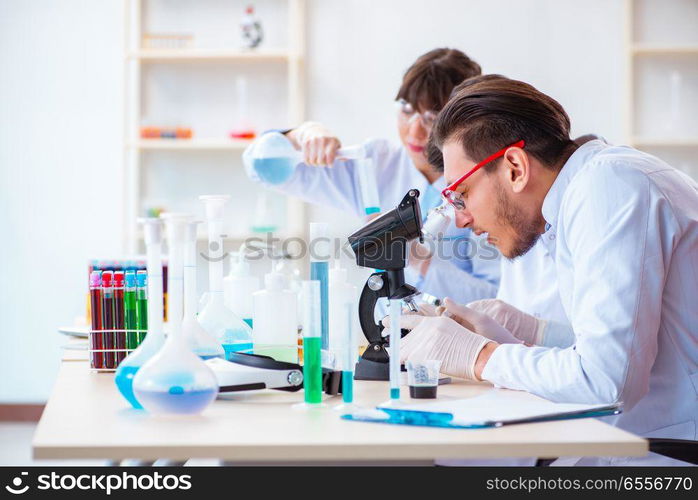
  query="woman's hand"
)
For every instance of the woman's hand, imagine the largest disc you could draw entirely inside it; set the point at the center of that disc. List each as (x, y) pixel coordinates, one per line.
(319, 145)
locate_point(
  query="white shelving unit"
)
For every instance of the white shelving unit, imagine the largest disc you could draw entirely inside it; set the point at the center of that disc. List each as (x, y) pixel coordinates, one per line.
(138, 60)
(662, 91)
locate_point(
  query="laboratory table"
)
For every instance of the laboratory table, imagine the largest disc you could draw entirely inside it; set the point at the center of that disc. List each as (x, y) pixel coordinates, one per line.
(86, 418)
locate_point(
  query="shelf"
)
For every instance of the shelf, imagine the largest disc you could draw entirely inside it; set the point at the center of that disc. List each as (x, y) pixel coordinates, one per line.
(191, 144)
(664, 142)
(239, 238)
(658, 49)
(186, 55)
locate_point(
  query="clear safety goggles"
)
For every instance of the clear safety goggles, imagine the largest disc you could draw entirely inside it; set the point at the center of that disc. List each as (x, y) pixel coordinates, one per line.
(407, 114)
(455, 198)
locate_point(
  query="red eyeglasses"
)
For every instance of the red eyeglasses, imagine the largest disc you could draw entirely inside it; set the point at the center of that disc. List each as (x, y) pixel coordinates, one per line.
(456, 199)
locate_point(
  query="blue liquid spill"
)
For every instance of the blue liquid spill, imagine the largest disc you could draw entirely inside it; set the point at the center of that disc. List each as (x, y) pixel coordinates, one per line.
(274, 170)
(395, 393)
(347, 386)
(320, 271)
(237, 347)
(124, 382)
(208, 356)
(177, 400)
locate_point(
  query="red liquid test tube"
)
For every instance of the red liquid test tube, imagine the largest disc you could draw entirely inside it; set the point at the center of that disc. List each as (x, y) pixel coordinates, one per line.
(108, 319)
(96, 337)
(119, 318)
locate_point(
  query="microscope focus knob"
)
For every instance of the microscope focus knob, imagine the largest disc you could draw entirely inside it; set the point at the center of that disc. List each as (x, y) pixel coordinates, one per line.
(375, 283)
(295, 378)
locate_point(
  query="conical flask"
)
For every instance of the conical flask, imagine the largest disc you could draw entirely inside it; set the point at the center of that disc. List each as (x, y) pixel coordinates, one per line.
(219, 321)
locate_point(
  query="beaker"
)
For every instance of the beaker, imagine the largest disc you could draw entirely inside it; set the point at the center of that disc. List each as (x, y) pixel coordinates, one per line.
(423, 378)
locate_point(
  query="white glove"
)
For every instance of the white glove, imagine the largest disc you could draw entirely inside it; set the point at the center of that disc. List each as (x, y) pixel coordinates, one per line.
(318, 144)
(438, 337)
(479, 322)
(423, 309)
(523, 326)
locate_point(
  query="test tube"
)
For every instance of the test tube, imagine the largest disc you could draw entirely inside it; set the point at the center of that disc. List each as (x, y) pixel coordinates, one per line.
(141, 305)
(319, 271)
(312, 342)
(96, 337)
(367, 184)
(350, 355)
(395, 332)
(130, 310)
(108, 319)
(119, 323)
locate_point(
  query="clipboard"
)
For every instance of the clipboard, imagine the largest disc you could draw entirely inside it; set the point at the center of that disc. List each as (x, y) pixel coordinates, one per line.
(495, 408)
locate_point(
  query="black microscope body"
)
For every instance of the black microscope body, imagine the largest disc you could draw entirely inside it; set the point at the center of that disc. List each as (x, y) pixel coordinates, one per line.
(382, 244)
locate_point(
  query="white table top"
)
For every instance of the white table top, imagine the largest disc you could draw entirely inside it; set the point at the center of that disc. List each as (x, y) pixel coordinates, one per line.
(87, 418)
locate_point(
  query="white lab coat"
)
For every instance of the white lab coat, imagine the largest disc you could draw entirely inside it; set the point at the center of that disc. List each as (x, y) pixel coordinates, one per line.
(529, 283)
(623, 234)
(339, 188)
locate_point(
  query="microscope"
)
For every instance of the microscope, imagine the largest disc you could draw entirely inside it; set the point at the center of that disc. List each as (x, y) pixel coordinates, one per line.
(382, 244)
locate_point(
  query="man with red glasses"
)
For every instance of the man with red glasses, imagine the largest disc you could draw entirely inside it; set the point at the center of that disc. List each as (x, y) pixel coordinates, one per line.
(622, 229)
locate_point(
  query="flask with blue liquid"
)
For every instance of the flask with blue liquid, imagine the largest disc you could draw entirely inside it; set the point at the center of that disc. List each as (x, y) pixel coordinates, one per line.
(216, 318)
(274, 159)
(154, 340)
(175, 380)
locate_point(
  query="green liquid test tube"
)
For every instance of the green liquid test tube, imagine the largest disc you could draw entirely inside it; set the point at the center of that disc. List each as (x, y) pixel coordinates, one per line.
(130, 312)
(312, 343)
(141, 305)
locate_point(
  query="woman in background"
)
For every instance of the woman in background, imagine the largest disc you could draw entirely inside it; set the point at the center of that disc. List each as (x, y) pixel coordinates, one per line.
(399, 167)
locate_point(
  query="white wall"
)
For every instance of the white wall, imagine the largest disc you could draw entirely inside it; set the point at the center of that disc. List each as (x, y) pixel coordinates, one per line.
(60, 158)
(60, 123)
(358, 51)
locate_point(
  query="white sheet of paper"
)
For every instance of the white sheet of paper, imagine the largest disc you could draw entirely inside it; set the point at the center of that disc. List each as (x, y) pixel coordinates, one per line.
(498, 405)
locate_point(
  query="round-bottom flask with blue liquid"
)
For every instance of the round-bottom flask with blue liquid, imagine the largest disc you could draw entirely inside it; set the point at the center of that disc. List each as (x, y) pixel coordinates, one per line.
(128, 368)
(175, 380)
(273, 158)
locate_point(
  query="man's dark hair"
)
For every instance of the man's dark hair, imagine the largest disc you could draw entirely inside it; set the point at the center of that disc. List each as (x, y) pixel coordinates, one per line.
(433, 152)
(428, 83)
(487, 115)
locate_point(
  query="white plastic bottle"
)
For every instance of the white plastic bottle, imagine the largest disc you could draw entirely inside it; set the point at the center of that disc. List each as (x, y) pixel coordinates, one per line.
(341, 292)
(275, 330)
(239, 286)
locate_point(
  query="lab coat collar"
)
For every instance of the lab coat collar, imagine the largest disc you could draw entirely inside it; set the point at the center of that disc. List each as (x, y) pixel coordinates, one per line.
(553, 200)
(439, 184)
(420, 182)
